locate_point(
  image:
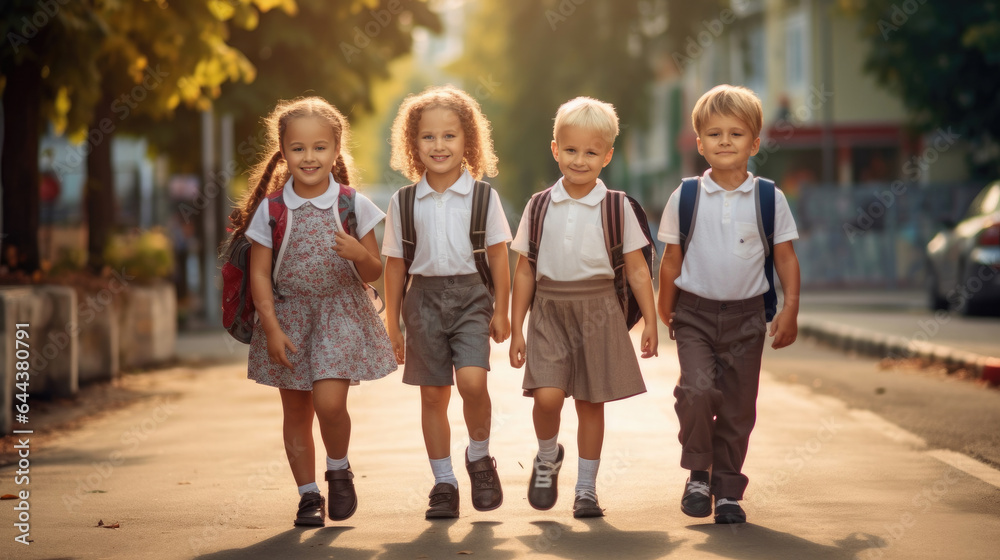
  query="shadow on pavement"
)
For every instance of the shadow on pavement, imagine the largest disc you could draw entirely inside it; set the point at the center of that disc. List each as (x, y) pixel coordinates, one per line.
(753, 542)
(601, 540)
(435, 542)
(295, 543)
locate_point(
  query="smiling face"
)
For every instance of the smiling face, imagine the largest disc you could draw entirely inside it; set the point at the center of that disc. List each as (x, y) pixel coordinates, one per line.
(581, 155)
(441, 146)
(310, 148)
(727, 143)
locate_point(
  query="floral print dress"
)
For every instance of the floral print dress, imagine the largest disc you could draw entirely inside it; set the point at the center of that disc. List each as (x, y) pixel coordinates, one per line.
(325, 312)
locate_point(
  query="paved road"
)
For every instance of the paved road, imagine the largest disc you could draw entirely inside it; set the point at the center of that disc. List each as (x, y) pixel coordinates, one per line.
(195, 469)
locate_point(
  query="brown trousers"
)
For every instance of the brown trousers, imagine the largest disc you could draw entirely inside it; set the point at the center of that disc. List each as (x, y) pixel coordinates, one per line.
(719, 347)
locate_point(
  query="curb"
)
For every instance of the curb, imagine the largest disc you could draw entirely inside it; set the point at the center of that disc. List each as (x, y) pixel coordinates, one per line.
(879, 345)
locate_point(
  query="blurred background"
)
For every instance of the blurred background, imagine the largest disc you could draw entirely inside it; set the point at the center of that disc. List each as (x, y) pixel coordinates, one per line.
(128, 126)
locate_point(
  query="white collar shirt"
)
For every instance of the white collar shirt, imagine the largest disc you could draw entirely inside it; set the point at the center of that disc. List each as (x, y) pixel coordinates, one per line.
(441, 222)
(725, 258)
(366, 212)
(573, 246)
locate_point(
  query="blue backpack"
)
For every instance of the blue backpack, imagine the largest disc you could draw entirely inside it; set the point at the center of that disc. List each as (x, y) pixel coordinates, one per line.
(764, 197)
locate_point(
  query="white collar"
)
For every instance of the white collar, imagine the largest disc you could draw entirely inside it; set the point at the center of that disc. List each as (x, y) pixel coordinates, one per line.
(461, 187)
(593, 198)
(323, 201)
(711, 186)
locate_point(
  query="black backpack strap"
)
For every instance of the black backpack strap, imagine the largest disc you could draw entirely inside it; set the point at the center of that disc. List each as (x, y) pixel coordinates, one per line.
(477, 231)
(406, 199)
(613, 212)
(765, 199)
(688, 209)
(536, 219)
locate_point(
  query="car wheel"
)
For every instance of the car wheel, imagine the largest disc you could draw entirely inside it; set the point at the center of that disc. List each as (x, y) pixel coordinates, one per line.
(934, 299)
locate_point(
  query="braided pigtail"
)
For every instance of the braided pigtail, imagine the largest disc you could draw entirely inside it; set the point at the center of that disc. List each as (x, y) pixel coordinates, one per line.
(340, 171)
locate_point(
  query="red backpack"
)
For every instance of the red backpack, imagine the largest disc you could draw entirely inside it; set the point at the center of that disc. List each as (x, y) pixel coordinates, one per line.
(238, 311)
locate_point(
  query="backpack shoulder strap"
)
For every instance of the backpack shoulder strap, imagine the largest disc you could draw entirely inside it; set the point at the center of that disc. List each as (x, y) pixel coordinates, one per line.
(613, 212)
(536, 219)
(477, 230)
(688, 210)
(765, 199)
(407, 196)
(280, 220)
(345, 210)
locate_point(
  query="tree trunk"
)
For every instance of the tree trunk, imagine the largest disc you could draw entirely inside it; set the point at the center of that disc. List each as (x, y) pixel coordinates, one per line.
(99, 190)
(20, 166)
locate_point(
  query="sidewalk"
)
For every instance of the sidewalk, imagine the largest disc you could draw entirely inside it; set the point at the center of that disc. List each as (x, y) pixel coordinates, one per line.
(897, 324)
(197, 470)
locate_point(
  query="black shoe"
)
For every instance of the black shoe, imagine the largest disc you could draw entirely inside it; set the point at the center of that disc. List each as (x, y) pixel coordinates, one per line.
(728, 511)
(310, 510)
(586, 506)
(443, 502)
(543, 488)
(697, 500)
(487, 495)
(343, 498)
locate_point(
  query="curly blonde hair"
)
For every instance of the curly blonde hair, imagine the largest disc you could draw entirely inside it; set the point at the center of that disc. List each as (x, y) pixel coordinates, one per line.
(271, 172)
(479, 158)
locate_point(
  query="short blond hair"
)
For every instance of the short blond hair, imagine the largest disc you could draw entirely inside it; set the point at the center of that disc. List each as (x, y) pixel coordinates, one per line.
(479, 158)
(589, 114)
(729, 101)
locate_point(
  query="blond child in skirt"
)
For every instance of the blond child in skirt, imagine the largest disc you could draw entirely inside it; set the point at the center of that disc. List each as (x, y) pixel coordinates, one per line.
(577, 343)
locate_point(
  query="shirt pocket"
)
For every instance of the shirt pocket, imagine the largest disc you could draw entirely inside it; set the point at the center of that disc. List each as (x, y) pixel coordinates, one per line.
(746, 241)
(592, 248)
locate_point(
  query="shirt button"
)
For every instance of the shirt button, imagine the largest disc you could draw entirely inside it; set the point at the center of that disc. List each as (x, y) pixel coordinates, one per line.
(727, 203)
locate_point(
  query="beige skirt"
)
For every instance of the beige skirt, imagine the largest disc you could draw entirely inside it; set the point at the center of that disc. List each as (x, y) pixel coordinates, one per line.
(577, 342)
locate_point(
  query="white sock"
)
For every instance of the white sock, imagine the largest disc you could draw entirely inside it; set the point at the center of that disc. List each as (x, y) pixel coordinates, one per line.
(311, 487)
(442, 471)
(478, 449)
(336, 464)
(548, 449)
(586, 480)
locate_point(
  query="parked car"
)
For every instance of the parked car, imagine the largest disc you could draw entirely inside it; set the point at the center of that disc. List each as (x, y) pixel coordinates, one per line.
(963, 260)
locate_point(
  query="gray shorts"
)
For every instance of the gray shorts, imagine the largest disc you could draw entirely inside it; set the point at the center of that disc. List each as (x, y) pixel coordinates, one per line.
(447, 321)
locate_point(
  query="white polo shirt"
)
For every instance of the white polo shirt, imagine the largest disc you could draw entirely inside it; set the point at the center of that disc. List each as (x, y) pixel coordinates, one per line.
(573, 245)
(365, 211)
(442, 221)
(725, 259)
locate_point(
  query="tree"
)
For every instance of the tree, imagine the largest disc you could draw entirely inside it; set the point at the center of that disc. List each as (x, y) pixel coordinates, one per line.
(942, 60)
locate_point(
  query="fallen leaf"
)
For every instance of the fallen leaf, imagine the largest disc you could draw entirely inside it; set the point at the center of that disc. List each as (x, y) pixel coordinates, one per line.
(520, 465)
(112, 526)
(465, 552)
(97, 491)
(100, 523)
(183, 483)
(8, 497)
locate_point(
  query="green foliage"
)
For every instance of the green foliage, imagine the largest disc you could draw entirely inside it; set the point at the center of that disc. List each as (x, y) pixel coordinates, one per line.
(148, 255)
(942, 59)
(524, 58)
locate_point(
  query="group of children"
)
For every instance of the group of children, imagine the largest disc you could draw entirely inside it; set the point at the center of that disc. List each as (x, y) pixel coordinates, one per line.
(445, 245)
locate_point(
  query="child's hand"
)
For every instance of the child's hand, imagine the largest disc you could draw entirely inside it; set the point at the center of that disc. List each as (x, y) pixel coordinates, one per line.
(670, 325)
(398, 344)
(500, 327)
(649, 342)
(276, 345)
(784, 329)
(349, 248)
(517, 350)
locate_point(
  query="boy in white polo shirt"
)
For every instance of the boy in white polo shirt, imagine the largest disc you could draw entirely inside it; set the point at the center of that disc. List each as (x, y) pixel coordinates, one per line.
(711, 296)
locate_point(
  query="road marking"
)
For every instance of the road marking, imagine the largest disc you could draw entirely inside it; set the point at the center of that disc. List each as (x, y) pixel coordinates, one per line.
(888, 429)
(967, 465)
